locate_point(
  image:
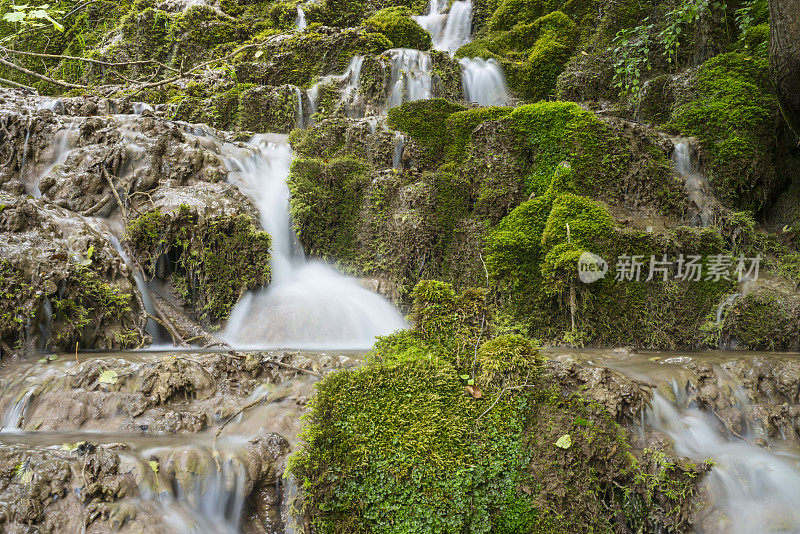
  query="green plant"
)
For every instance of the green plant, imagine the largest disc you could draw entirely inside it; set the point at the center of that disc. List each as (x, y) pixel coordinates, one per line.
(28, 17)
(632, 50)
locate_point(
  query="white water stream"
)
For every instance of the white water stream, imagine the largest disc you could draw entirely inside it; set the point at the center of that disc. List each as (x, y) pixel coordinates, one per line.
(758, 491)
(308, 304)
(449, 31)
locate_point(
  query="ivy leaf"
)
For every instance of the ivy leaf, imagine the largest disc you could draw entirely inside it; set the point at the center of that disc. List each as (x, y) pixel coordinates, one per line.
(16, 16)
(564, 442)
(24, 473)
(108, 377)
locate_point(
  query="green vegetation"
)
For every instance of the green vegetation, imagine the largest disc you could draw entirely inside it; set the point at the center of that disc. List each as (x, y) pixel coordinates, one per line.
(212, 261)
(403, 31)
(734, 115)
(448, 429)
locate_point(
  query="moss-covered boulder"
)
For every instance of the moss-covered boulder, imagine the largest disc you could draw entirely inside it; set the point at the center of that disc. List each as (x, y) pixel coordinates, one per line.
(211, 260)
(403, 31)
(428, 438)
(734, 113)
(62, 284)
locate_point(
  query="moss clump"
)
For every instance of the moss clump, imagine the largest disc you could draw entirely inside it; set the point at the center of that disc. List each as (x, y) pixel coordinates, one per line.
(212, 261)
(16, 308)
(326, 197)
(734, 115)
(268, 109)
(413, 442)
(90, 305)
(532, 254)
(403, 31)
(426, 122)
(461, 124)
(762, 320)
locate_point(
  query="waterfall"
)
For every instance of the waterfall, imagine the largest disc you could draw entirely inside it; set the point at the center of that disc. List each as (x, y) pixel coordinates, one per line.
(15, 417)
(483, 82)
(411, 76)
(758, 490)
(349, 95)
(300, 21)
(399, 146)
(300, 120)
(449, 31)
(308, 304)
(695, 184)
(61, 146)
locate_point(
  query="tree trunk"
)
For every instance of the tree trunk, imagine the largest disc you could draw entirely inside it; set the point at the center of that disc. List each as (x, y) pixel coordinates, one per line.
(784, 52)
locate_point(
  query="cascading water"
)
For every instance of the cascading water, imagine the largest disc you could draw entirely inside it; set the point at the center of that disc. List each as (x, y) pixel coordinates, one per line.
(300, 22)
(449, 31)
(308, 304)
(349, 81)
(757, 490)
(411, 76)
(483, 82)
(695, 184)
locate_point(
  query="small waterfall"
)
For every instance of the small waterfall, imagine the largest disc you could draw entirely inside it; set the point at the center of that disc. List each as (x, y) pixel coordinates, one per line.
(411, 76)
(759, 491)
(697, 188)
(450, 31)
(399, 146)
(15, 417)
(348, 81)
(46, 324)
(61, 146)
(308, 304)
(299, 111)
(300, 20)
(483, 82)
(730, 299)
(141, 107)
(217, 498)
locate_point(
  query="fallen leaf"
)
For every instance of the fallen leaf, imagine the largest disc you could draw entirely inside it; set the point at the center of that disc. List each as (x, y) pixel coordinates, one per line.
(474, 391)
(565, 441)
(108, 377)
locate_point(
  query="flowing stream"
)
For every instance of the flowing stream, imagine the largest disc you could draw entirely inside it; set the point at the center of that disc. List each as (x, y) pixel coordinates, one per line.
(308, 304)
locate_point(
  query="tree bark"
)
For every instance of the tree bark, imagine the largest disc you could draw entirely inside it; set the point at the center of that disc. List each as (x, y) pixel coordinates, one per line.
(784, 52)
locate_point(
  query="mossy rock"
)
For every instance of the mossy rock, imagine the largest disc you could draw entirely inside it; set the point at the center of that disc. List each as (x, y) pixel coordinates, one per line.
(396, 24)
(735, 115)
(762, 320)
(211, 261)
(412, 442)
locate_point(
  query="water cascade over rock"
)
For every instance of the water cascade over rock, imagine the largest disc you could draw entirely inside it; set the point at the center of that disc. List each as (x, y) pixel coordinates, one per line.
(308, 304)
(449, 31)
(483, 82)
(757, 490)
(697, 188)
(411, 76)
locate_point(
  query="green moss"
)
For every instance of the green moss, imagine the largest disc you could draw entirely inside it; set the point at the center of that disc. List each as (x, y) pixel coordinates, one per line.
(755, 40)
(426, 122)
(89, 303)
(268, 109)
(734, 115)
(212, 261)
(412, 443)
(396, 24)
(325, 202)
(762, 320)
(461, 124)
